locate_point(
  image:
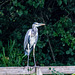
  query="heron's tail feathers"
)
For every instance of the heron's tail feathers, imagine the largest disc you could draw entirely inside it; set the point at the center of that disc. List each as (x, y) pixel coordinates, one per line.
(26, 53)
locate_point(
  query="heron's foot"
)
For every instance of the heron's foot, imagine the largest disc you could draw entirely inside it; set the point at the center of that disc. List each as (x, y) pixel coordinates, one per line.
(25, 67)
(35, 65)
(29, 68)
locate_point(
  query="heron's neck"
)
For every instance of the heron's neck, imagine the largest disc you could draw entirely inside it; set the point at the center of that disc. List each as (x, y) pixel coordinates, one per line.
(35, 29)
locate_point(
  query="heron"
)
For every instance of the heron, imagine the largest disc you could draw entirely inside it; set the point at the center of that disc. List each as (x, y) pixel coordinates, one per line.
(31, 39)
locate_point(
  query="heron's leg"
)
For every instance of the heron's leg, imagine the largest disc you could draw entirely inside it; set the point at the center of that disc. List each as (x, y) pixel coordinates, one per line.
(34, 54)
(28, 56)
(28, 61)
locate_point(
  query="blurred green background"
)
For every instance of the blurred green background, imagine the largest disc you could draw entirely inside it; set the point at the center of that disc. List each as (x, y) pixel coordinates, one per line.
(17, 16)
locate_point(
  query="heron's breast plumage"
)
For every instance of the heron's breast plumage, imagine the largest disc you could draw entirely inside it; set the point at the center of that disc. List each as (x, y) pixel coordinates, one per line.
(33, 38)
(32, 41)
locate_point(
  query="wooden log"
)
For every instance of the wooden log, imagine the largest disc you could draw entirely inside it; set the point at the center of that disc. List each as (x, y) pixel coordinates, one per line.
(41, 70)
(16, 70)
(38, 71)
(61, 69)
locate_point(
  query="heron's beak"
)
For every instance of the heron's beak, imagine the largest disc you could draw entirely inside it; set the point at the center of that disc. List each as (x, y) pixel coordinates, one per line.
(41, 24)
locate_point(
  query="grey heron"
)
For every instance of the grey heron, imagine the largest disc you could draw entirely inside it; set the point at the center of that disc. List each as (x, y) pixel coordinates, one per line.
(30, 40)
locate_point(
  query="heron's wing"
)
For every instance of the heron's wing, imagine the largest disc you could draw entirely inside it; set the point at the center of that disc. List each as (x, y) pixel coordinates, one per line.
(36, 38)
(26, 38)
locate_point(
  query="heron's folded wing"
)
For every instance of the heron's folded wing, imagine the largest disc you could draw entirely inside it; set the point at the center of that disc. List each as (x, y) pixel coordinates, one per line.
(26, 38)
(36, 38)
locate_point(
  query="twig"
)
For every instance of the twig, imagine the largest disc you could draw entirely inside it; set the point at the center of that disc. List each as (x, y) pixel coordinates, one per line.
(65, 17)
(48, 36)
(48, 40)
(4, 3)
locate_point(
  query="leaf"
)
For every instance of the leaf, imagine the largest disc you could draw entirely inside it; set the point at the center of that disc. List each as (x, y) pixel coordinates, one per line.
(70, 49)
(59, 2)
(72, 53)
(25, 12)
(64, 44)
(55, 34)
(15, 3)
(73, 47)
(43, 55)
(65, 1)
(50, 68)
(3, 51)
(33, 74)
(54, 69)
(0, 43)
(67, 52)
(0, 31)
(59, 25)
(20, 12)
(21, 6)
(70, 0)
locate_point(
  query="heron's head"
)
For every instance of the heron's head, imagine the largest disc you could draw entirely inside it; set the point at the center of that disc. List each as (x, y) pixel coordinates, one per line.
(36, 24)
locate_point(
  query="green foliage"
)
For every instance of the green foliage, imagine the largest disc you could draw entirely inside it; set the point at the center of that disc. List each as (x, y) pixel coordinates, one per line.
(65, 1)
(36, 3)
(54, 72)
(16, 17)
(10, 55)
(59, 2)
